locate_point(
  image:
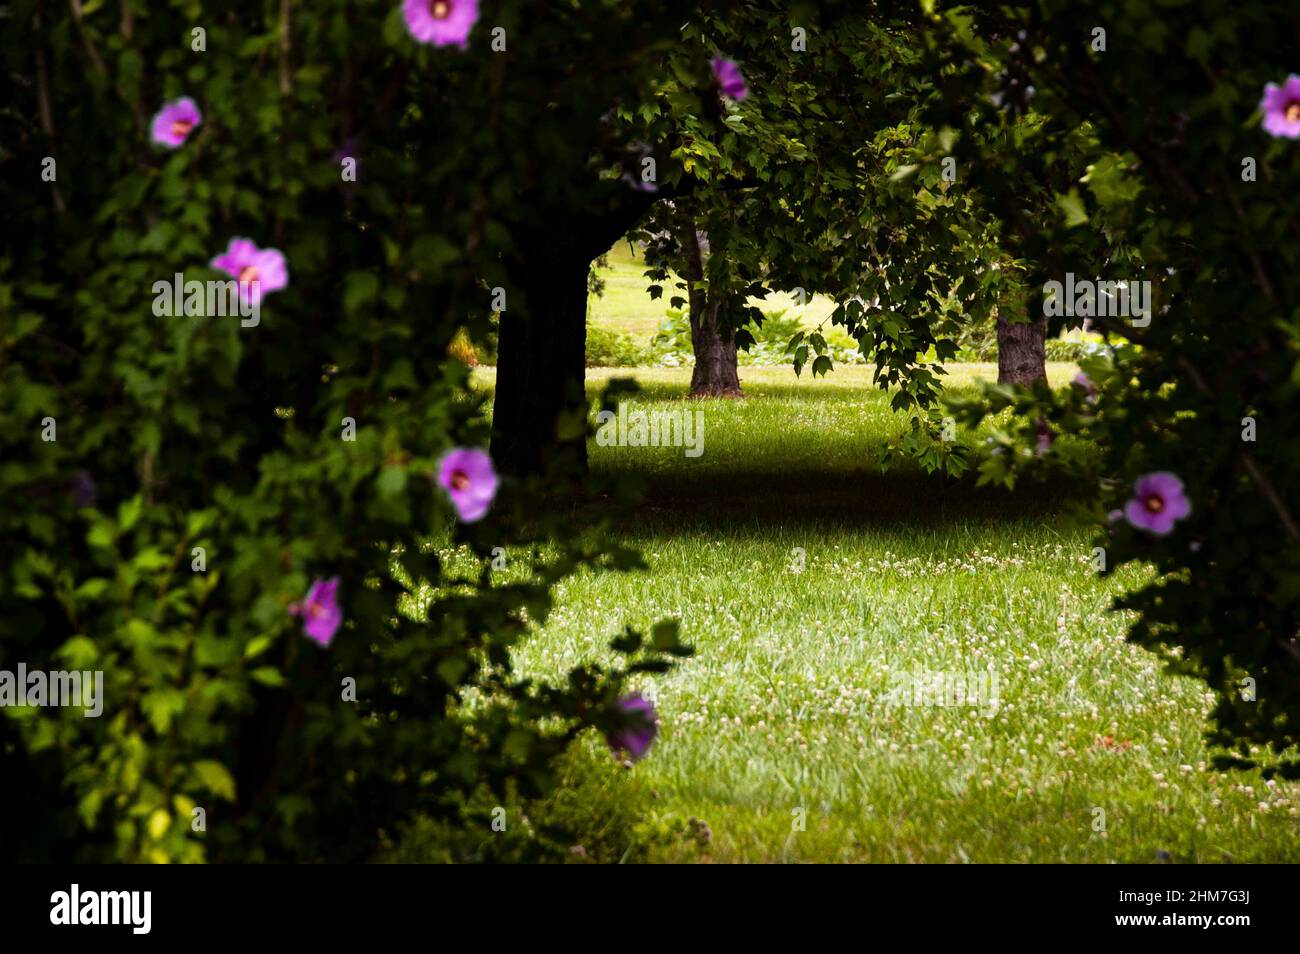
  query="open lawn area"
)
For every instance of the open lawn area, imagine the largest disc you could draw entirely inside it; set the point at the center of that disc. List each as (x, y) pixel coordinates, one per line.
(812, 585)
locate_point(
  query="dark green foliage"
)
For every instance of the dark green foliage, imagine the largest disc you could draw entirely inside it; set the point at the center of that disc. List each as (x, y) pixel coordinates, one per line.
(1130, 163)
(607, 348)
(804, 185)
(199, 433)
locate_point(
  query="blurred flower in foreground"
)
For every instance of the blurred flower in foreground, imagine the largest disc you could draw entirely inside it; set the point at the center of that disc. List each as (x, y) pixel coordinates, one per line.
(1043, 434)
(1158, 501)
(320, 611)
(173, 123)
(727, 73)
(642, 725)
(1085, 382)
(640, 173)
(470, 481)
(441, 22)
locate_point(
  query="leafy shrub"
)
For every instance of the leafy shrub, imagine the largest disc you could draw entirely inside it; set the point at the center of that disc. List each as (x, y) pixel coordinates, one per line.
(1056, 349)
(671, 345)
(1179, 406)
(674, 332)
(463, 349)
(607, 348)
(175, 484)
(1066, 349)
(479, 349)
(593, 816)
(978, 341)
(775, 328)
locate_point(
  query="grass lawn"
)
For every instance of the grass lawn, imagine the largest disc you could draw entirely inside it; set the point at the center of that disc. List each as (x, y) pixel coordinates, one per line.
(783, 712)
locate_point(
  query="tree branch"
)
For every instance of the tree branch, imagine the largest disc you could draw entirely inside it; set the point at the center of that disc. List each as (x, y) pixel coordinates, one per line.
(43, 100)
(86, 41)
(286, 49)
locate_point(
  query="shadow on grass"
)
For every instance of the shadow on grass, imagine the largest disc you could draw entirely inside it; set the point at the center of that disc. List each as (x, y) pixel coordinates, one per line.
(835, 499)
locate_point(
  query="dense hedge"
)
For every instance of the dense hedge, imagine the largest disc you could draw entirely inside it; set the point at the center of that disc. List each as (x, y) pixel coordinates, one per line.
(174, 485)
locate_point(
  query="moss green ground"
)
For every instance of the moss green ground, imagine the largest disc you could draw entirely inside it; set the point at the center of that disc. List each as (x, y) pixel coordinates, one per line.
(782, 714)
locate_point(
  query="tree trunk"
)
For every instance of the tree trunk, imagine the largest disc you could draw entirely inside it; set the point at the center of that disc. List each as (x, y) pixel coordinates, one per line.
(716, 373)
(541, 366)
(542, 341)
(1021, 351)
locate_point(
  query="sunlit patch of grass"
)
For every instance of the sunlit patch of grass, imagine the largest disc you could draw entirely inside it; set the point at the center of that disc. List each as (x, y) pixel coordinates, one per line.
(809, 583)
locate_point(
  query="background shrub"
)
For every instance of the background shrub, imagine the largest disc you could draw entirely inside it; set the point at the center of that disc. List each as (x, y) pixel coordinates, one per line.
(607, 348)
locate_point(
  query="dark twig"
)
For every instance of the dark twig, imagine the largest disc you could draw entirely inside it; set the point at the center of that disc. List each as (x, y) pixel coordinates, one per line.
(286, 49)
(86, 41)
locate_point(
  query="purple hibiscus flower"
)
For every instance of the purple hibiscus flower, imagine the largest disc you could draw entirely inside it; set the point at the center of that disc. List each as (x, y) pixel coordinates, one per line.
(1090, 389)
(173, 123)
(441, 22)
(1158, 501)
(637, 184)
(1281, 107)
(1043, 434)
(470, 481)
(634, 175)
(258, 270)
(320, 611)
(727, 73)
(640, 728)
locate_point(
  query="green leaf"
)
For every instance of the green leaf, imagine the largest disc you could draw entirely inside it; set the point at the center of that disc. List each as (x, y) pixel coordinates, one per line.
(359, 289)
(267, 676)
(92, 589)
(452, 669)
(391, 481)
(800, 358)
(517, 745)
(432, 253)
(129, 512)
(215, 778)
(161, 706)
(159, 822)
(150, 559)
(1072, 209)
(1109, 182)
